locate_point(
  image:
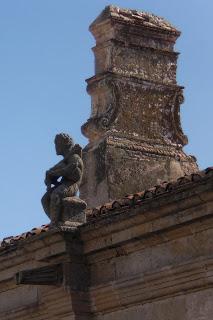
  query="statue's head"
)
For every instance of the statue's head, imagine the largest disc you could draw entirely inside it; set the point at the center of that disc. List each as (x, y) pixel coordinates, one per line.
(63, 143)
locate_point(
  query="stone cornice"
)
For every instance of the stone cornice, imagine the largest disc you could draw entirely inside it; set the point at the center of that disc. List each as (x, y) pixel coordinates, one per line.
(134, 18)
(146, 84)
(153, 286)
(136, 47)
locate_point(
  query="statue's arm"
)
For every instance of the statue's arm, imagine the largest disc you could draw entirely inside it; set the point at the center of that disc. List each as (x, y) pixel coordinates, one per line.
(52, 174)
(58, 165)
(72, 170)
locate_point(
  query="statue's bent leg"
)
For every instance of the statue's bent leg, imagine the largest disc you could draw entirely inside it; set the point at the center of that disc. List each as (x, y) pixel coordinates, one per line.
(45, 201)
(56, 204)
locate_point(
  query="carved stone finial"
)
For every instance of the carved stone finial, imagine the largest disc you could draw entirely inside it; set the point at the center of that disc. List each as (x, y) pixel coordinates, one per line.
(60, 202)
(134, 131)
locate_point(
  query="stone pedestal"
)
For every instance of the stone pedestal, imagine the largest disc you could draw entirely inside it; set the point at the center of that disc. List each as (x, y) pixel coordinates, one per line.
(73, 210)
(134, 132)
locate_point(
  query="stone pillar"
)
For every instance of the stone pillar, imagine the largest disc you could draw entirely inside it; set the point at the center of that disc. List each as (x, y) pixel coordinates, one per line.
(134, 132)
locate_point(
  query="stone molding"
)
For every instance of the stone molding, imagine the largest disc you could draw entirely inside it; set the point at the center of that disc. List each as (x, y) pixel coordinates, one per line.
(171, 282)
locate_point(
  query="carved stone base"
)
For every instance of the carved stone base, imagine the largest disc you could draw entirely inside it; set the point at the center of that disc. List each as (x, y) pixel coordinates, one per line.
(73, 211)
(117, 168)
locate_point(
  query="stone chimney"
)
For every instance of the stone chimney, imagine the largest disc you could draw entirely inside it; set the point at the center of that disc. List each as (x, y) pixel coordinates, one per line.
(134, 132)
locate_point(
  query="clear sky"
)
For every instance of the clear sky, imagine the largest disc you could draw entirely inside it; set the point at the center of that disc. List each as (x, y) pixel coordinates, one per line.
(45, 56)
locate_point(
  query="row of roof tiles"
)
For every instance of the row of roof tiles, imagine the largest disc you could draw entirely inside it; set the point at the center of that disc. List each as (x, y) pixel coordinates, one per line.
(124, 203)
(14, 239)
(139, 198)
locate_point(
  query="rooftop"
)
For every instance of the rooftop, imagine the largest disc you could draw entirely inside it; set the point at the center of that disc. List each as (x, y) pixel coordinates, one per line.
(124, 204)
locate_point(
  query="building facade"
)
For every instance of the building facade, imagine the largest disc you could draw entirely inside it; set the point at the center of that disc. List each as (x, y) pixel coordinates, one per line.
(145, 250)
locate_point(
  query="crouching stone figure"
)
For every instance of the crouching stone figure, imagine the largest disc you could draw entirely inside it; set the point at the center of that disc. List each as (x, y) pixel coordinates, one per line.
(60, 202)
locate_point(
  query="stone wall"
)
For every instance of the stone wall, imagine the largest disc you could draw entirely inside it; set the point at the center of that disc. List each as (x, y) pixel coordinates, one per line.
(154, 260)
(145, 256)
(59, 301)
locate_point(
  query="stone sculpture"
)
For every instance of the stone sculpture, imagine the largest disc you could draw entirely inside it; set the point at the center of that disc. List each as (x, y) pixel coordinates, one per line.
(60, 202)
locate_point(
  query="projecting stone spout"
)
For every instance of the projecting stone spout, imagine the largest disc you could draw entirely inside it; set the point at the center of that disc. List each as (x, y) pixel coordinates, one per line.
(135, 135)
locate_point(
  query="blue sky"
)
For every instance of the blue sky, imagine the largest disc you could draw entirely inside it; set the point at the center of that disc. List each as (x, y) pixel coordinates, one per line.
(45, 57)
